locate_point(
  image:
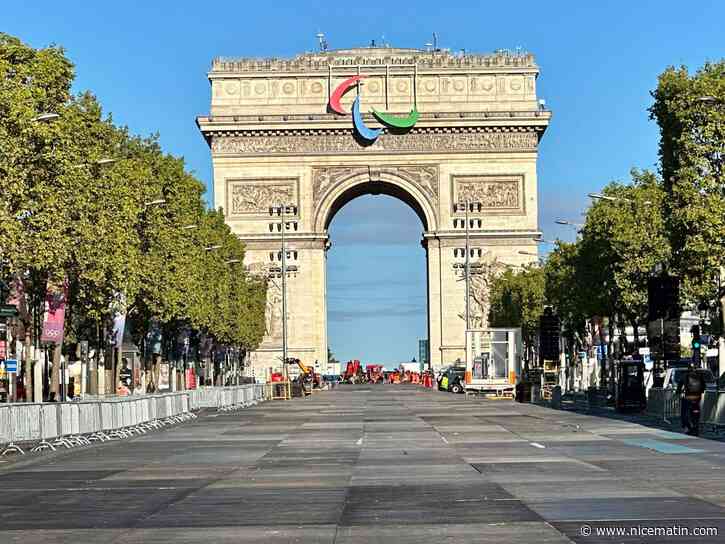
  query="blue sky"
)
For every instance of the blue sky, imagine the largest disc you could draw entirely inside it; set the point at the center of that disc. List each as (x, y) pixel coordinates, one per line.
(147, 62)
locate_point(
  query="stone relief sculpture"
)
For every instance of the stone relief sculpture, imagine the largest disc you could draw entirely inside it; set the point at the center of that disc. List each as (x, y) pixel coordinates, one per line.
(322, 178)
(480, 291)
(245, 198)
(424, 176)
(501, 193)
(413, 141)
(273, 308)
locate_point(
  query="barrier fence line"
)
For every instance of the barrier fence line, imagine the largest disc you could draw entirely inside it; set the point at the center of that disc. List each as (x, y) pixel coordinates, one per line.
(665, 403)
(69, 424)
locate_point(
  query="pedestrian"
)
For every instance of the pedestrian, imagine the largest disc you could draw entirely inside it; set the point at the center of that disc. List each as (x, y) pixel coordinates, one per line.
(690, 391)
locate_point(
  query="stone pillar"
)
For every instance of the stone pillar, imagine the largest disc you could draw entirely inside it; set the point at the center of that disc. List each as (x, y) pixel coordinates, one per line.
(435, 299)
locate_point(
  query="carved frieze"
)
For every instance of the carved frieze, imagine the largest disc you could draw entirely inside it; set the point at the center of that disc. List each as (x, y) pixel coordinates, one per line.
(492, 192)
(324, 178)
(255, 196)
(412, 142)
(425, 177)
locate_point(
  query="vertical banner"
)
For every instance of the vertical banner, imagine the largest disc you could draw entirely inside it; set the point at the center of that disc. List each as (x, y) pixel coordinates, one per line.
(163, 376)
(119, 323)
(54, 319)
(190, 378)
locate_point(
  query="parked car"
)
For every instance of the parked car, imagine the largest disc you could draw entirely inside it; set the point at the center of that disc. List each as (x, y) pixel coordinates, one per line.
(452, 380)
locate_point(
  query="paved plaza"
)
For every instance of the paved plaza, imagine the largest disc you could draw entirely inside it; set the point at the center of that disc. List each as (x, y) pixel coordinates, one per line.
(366, 464)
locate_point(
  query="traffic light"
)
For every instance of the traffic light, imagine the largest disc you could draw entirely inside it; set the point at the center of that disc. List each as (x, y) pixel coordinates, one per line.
(696, 345)
(663, 320)
(549, 326)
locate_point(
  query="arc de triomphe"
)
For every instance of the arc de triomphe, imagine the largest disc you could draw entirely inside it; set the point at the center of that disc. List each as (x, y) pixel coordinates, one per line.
(274, 139)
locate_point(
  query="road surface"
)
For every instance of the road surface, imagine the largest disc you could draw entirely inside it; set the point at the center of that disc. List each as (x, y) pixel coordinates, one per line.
(378, 463)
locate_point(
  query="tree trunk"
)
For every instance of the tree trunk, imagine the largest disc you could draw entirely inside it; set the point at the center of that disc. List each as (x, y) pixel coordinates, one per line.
(610, 352)
(54, 392)
(635, 328)
(28, 368)
(622, 348)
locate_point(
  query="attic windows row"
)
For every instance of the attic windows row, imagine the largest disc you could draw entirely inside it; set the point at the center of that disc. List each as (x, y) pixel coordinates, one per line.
(461, 252)
(472, 223)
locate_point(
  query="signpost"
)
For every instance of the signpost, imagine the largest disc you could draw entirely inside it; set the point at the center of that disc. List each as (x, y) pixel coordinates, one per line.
(8, 310)
(11, 365)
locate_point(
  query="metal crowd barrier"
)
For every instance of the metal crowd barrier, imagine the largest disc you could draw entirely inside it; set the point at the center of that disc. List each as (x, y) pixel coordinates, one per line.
(671, 405)
(665, 403)
(713, 410)
(70, 424)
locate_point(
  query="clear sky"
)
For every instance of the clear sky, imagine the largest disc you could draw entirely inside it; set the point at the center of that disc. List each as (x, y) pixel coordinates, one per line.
(147, 62)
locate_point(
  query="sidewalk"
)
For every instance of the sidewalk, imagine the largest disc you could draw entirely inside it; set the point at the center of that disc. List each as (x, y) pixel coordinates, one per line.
(648, 420)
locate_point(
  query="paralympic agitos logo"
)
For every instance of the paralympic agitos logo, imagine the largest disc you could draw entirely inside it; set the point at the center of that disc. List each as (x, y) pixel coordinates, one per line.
(366, 133)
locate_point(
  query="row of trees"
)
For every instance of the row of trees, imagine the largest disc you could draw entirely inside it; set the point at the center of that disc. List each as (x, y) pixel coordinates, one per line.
(672, 222)
(88, 208)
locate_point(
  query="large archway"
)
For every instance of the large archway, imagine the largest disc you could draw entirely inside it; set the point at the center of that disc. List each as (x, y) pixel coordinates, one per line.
(273, 141)
(377, 301)
(402, 184)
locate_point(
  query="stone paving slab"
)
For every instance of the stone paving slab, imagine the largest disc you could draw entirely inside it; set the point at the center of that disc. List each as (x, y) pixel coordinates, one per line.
(627, 508)
(453, 533)
(367, 464)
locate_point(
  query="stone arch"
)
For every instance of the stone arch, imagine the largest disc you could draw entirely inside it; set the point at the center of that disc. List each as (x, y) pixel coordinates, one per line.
(421, 198)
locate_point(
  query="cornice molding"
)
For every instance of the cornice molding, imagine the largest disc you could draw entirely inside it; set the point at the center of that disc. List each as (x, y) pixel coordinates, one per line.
(371, 57)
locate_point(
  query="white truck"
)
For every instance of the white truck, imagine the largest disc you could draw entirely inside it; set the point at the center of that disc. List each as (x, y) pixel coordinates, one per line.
(493, 360)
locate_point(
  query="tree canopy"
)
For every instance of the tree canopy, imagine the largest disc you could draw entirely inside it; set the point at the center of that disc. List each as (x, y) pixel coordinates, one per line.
(125, 225)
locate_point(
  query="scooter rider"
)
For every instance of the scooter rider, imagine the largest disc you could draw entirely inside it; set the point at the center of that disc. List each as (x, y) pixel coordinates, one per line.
(690, 391)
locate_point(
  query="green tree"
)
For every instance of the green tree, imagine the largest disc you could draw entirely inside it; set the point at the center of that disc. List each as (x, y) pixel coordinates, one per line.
(623, 240)
(32, 240)
(690, 112)
(517, 300)
(85, 203)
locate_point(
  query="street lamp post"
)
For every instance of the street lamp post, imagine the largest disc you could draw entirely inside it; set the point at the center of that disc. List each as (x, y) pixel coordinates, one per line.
(532, 254)
(282, 210)
(469, 206)
(468, 274)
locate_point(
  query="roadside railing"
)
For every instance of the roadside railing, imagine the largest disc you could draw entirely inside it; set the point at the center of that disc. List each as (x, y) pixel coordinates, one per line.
(41, 426)
(665, 403)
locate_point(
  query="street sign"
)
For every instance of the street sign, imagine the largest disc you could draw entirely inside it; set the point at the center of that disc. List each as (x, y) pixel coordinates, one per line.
(11, 365)
(8, 310)
(644, 351)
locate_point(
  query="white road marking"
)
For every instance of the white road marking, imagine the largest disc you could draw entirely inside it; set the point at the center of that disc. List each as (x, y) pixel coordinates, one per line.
(444, 439)
(359, 442)
(537, 445)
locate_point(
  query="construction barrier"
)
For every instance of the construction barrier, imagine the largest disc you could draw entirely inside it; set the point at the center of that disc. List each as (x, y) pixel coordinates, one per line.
(67, 424)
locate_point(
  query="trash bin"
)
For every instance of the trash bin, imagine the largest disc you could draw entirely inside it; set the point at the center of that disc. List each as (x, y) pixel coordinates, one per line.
(556, 397)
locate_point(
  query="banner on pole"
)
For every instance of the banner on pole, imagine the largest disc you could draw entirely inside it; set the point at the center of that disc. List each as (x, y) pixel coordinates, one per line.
(54, 320)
